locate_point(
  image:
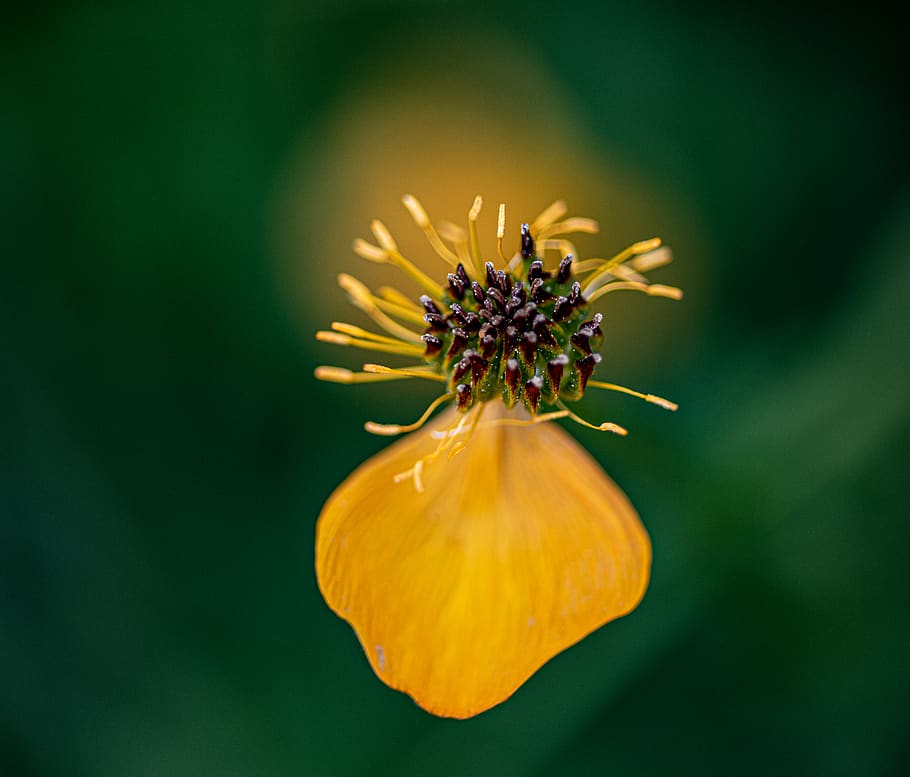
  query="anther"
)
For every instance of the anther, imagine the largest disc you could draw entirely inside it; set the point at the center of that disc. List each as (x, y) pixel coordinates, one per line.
(575, 295)
(562, 309)
(585, 367)
(461, 369)
(509, 340)
(459, 343)
(565, 270)
(428, 305)
(532, 393)
(555, 368)
(496, 295)
(487, 346)
(434, 344)
(541, 327)
(464, 396)
(512, 376)
(538, 293)
(458, 313)
(528, 347)
(436, 321)
(491, 274)
(462, 274)
(479, 295)
(456, 286)
(527, 242)
(536, 270)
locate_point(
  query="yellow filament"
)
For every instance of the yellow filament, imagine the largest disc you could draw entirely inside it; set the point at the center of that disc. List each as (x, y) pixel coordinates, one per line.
(472, 229)
(362, 298)
(383, 256)
(456, 235)
(423, 221)
(652, 398)
(460, 445)
(342, 375)
(415, 472)
(548, 215)
(405, 372)
(635, 249)
(404, 349)
(399, 311)
(391, 294)
(393, 429)
(652, 290)
(577, 224)
(565, 247)
(606, 426)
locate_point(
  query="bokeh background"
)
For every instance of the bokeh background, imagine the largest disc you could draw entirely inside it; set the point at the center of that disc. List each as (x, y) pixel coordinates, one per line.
(179, 185)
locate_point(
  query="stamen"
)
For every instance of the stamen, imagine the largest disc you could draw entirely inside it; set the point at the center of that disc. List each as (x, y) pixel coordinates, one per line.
(457, 236)
(365, 334)
(392, 294)
(653, 399)
(636, 249)
(652, 290)
(472, 229)
(383, 236)
(404, 349)
(560, 244)
(375, 254)
(460, 445)
(501, 231)
(547, 216)
(577, 224)
(423, 221)
(362, 298)
(405, 372)
(342, 375)
(393, 429)
(606, 426)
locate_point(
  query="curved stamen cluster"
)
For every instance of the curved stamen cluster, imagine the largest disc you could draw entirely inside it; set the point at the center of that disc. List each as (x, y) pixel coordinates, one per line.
(519, 333)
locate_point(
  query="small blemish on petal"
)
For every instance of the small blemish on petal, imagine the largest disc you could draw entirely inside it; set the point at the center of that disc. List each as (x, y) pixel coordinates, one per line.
(380, 658)
(531, 621)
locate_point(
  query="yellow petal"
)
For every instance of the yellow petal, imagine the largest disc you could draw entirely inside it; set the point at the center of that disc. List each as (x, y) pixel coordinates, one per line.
(516, 549)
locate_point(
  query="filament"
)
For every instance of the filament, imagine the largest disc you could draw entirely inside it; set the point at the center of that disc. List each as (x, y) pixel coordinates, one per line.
(423, 221)
(652, 290)
(362, 298)
(606, 426)
(548, 215)
(342, 375)
(472, 229)
(588, 226)
(404, 372)
(404, 349)
(393, 429)
(652, 398)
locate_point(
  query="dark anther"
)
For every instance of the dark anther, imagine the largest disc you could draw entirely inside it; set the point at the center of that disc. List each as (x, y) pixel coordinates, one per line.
(585, 367)
(536, 270)
(491, 274)
(527, 242)
(459, 343)
(487, 346)
(503, 282)
(464, 396)
(509, 340)
(478, 292)
(565, 270)
(428, 305)
(562, 309)
(582, 340)
(520, 317)
(538, 293)
(436, 321)
(488, 305)
(532, 392)
(528, 347)
(461, 369)
(512, 376)
(458, 313)
(511, 306)
(519, 293)
(497, 321)
(434, 344)
(479, 367)
(575, 294)
(456, 286)
(496, 295)
(555, 369)
(541, 327)
(471, 321)
(462, 274)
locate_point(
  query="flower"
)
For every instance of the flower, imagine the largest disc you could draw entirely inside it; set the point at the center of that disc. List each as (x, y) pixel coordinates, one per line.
(473, 550)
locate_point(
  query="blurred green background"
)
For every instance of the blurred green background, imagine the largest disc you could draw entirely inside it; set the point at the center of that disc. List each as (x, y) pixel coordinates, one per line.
(178, 187)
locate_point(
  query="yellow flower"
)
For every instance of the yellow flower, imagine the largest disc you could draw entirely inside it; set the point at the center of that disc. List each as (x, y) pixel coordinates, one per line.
(463, 574)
